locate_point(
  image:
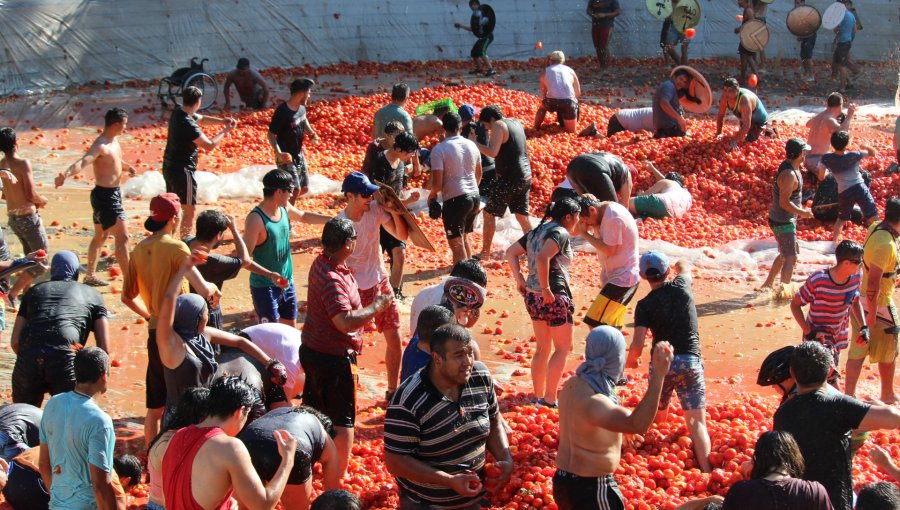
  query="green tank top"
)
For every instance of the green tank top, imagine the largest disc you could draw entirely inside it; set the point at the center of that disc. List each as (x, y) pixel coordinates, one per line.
(275, 253)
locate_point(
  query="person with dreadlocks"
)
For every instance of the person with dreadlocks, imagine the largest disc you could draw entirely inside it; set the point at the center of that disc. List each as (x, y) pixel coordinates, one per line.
(591, 422)
(547, 294)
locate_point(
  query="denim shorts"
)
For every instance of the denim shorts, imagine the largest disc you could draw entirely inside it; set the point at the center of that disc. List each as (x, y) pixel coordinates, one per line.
(274, 303)
(858, 194)
(685, 377)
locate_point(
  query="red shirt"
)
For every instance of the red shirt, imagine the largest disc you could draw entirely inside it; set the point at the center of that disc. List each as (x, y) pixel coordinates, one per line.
(178, 463)
(332, 290)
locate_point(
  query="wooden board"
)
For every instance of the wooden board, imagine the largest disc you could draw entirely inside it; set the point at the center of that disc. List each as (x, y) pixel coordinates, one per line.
(833, 16)
(659, 9)
(416, 236)
(754, 35)
(686, 15)
(699, 88)
(804, 20)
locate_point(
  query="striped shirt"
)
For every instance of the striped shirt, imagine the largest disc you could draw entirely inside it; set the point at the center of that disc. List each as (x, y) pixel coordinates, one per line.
(450, 436)
(829, 305)
(332, 290)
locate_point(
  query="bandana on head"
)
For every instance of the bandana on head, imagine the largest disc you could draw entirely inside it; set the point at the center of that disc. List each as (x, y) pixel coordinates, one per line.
(188, 310)
(604, 360)
(65, 266)
(465, 293)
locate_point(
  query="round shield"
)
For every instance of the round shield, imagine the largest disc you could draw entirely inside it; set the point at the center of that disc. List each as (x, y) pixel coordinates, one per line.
(754, 35)
(804, 20)
(833, 16)
(767, 1)
(660, 9)
(699, 97)
(686, 15)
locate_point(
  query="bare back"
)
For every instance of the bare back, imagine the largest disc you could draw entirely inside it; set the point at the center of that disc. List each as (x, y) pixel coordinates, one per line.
(18, 201)
(585, 449)
(821, 128)
(107, 162)
(210, 477)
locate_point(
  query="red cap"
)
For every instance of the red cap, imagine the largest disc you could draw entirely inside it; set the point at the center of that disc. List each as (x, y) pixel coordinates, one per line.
(164, 207)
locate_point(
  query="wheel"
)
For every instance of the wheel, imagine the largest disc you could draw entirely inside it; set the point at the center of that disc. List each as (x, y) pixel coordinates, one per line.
(207, 84)
(164, 92)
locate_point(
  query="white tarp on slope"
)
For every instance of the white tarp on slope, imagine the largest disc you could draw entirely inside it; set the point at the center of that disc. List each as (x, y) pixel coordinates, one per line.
(50, 44)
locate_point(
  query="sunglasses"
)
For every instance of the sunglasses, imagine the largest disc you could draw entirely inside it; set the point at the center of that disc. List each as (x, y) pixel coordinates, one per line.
(855, 261)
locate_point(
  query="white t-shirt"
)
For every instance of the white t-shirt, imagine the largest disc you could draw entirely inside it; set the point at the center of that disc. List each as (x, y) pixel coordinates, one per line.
(457, 157)
(677, 201)
(636, 119)
(431, 295)
(560, 81)
(281, 342)
(367, 262)
(618, 228)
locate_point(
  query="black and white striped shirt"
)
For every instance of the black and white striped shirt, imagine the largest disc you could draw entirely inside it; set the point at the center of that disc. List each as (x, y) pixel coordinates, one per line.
(450, 436)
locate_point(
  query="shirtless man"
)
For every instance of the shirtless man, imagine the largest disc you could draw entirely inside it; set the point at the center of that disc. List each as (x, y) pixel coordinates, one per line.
(823, 125)
(591, 422)
(251, 87)
(205, 476)
(106, 199)
(666, 198)
(22, 203)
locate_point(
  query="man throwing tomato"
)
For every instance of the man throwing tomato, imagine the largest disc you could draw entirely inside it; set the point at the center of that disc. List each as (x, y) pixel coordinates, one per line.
(591, 422)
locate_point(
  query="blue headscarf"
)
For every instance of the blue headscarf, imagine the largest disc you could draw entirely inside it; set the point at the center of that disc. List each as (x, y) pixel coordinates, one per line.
(65, 266)
(188, 310)
(604, 360)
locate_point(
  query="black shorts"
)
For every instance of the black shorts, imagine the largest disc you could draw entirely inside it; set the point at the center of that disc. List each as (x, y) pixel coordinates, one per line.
(480, 48)
(330, 385)
(567, 109)
(299, 172)
(25, 489)
(807, 45)
(509, 195)
(40, 370)
(156, 380)
(744, 51)
(573, 492)
(389, 242)
(614, 126)
(841, 53)
(459, 215)
(488, 180)
(672, 132)
(182, 182)
(107, 206)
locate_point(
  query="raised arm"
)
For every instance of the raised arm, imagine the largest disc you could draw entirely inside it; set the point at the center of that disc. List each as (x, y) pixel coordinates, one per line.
(604, 413)
(396, 226)
(240, 247)
(306, 216)
(494, 142)
(209, 144)
(217, 336)
(171, 346)
(78, 166)
(881, 418)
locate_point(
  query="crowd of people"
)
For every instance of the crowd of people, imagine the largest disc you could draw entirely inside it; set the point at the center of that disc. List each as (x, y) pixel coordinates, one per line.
(221, 420)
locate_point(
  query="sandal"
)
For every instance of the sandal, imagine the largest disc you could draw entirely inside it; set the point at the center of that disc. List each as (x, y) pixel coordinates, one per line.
(93, 281)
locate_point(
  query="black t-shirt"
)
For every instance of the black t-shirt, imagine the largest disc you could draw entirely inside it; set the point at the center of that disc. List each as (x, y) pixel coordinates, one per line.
(821, 423)
(669, 313)
(289, 126)
(481, 136)
(59, 314)
(22, 423)
(598, 173)
(490, 20)
(218, 268)
(784, 494)
(181, 151)
(383, 172)
(603, 7)
(260, 442)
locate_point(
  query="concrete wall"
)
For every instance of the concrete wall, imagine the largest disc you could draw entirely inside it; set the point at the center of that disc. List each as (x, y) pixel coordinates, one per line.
(51, 44)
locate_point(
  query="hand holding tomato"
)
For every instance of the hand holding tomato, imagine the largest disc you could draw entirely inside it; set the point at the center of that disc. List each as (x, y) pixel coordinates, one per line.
(38, 255)
(499, 473)
(466, 484)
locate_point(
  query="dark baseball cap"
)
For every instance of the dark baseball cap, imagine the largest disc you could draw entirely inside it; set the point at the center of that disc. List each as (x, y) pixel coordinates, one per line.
(301, 85)
(243, 63)
(467, 112)
(795, 146)
(359, 183)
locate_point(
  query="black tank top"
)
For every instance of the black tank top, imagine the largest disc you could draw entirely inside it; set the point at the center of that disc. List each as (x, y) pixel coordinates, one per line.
(512, 161)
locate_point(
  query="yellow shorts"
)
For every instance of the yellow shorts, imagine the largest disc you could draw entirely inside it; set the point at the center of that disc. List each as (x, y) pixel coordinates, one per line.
(882, 346)
(609, 306)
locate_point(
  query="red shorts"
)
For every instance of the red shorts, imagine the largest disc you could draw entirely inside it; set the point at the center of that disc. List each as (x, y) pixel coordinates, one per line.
(389, 318)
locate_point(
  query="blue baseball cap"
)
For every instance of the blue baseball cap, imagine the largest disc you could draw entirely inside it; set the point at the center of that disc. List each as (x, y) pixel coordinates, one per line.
(654, 263)
(466, 112)
(359, 183)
